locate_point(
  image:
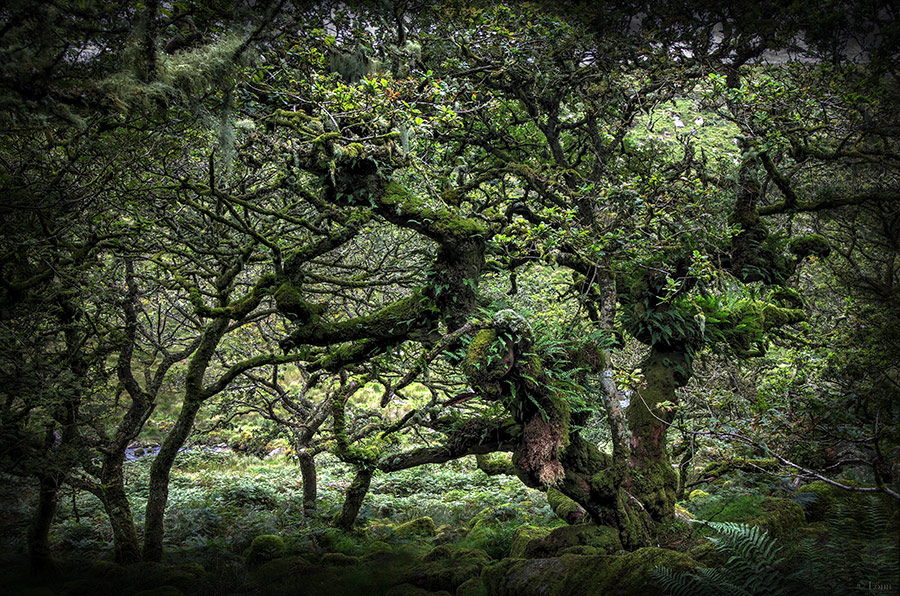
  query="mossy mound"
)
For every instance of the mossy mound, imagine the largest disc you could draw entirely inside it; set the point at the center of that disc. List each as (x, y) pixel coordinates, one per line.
(411, 590)
(781, 517)
(446, 568)
(421, 527)
(339, 560)
(603, 538)
(524, 535)
(161, 591)
(264, 548)
(472, 587)
(623, 575)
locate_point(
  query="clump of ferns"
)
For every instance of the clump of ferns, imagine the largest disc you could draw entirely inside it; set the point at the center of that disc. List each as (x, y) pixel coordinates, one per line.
(859, 556)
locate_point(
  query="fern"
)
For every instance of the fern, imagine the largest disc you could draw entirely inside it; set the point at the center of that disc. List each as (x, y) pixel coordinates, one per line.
(860, 556)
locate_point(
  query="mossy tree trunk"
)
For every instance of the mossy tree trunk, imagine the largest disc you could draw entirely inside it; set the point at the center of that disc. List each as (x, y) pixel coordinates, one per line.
(655, 483)
(126, 546)
(353, 499)
(310, 487)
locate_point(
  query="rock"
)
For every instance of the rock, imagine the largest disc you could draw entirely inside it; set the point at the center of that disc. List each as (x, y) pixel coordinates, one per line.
(472, 587)
(423, 526)
(622, 575)
(521, 538)
(276, 452)
(264, 548)
(339, 560)
(603, 538)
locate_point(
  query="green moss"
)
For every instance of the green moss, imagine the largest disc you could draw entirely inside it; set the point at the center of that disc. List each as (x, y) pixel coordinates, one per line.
(603, 538)
(810, 244)
(161, 591)
(697, 494)
(472, 587)
(339, 560)
(264, 548)
(819, 502)
(495, 464)
(440, 223)
(522, 536)
(423, 526)
(781, 517)
(623, 575)
(564, 507)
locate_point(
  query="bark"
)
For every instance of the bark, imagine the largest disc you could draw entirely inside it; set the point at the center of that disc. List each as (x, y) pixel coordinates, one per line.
(310, 489)
(159, 480)
(655, 482)
(354, 498)
(38, 535)
(126, 546)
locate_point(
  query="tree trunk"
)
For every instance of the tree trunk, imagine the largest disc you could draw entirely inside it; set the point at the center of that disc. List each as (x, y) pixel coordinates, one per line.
(159, 480)
(38, 535)
(354, 499)
(310, 489)
(649, 415)
(126, 546)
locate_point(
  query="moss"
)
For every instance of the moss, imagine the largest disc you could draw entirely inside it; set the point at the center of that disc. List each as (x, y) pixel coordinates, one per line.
(161, 591)
(408, 590)
(603, 538)
(264, 548)
(289, 302)
(697, 494)
(339, 560)
(495, 464)
(808, 245)
(781, 517)
(440, 223)
(472, 587)
(279, 570)
(819, 502)
(623, 575)
(522, 536)
(564, 507)
(423, 526)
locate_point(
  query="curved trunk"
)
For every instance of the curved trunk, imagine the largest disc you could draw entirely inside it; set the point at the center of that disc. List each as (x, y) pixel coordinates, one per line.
(38, 534)
(356, 492)
(159, 480)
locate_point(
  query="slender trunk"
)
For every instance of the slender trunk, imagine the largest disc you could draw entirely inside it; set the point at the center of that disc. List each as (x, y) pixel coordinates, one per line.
(354, 499)
(159, 480)
(38, 535)
(308, 473)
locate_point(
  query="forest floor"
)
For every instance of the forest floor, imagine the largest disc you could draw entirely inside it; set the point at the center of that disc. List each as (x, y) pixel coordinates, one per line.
(448, 529)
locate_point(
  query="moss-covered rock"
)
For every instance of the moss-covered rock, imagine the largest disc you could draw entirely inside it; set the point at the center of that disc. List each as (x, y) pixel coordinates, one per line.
(603, 538)
(411, 590)
(161, 591)
(339, 560)
(781, 517)
(377, 550)
(817, 499)
(283, 570)
(421, 527)
(623, 575)
(472, 587)
(524, 535)
(697, 494)
(264, 548)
